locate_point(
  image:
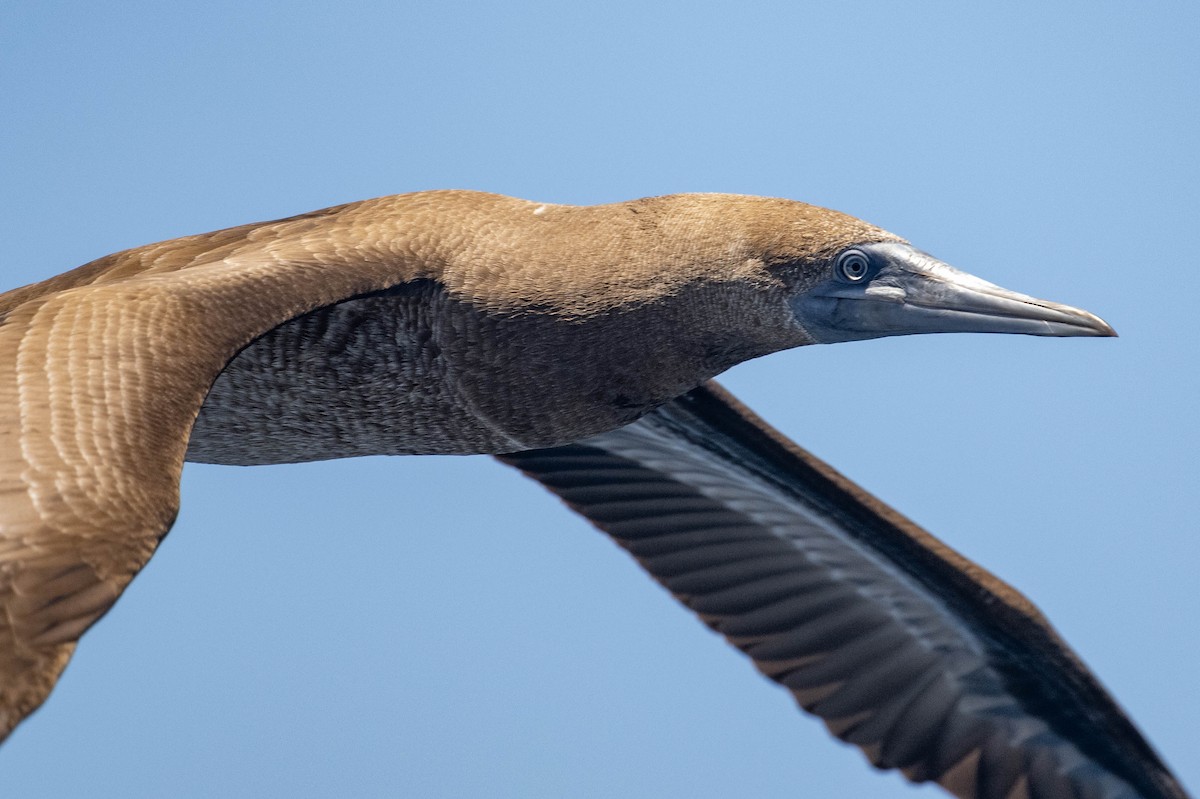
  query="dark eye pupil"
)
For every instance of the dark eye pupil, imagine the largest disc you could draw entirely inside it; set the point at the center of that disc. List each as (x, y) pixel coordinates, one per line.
(853, 266)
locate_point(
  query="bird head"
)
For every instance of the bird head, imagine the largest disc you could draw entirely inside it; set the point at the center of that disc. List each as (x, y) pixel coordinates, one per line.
(843, 279)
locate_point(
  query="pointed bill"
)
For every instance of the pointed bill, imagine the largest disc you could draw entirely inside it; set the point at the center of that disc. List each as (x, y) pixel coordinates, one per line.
(893, 289)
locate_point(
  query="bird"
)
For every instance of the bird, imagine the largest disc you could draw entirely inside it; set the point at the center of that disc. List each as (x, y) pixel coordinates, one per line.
(577, 344)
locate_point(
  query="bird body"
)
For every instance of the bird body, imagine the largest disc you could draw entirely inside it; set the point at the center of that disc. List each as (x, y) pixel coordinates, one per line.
(536, 291)
(572, 341)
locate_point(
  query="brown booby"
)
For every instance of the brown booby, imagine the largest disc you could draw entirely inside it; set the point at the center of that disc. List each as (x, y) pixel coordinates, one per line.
(577, 344)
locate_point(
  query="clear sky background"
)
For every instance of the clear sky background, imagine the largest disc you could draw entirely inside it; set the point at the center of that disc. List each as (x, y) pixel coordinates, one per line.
(441, 627)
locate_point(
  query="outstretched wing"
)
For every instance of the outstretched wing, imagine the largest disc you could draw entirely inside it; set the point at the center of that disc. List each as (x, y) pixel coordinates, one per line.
(903, 647)
(102, 372)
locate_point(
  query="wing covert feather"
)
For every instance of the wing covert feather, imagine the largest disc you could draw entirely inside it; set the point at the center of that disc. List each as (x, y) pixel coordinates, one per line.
(102, 373)
(900, 645)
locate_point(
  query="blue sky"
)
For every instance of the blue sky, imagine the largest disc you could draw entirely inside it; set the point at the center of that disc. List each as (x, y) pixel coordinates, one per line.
(441, 627)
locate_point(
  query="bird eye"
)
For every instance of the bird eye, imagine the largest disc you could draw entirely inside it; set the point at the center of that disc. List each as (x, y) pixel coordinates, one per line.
(852, 266)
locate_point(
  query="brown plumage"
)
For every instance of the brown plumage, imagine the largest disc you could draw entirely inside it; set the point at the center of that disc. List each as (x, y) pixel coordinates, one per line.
(458, 322)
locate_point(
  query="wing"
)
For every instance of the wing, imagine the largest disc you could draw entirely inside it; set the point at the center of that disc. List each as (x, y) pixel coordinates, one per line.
(901, 646)
(102, 372)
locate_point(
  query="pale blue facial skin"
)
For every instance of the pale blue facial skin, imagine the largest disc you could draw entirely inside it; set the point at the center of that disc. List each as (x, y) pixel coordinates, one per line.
(891, 289)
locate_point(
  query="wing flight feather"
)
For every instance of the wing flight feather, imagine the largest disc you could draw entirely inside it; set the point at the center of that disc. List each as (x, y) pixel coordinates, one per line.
(904, 648)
